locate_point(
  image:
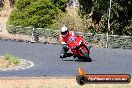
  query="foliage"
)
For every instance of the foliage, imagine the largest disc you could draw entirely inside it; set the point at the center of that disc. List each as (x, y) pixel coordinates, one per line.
(61, 4)
(73, 23)
(85, 6)
(1, 4)
(37, 13)
(121, 16)
(12, 59)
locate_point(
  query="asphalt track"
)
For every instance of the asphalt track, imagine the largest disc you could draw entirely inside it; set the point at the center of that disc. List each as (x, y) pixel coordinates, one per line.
(47, 62)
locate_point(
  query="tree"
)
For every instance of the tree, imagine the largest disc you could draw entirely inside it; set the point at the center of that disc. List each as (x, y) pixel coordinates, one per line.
(1, 4)
(121, 16)
(85, 6)
(38, 13)
(61, 4)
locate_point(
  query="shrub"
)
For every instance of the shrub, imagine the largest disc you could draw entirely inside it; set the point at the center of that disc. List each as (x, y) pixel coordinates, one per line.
(12, 59)
(73, 23)
(7, 56)
(38, 13)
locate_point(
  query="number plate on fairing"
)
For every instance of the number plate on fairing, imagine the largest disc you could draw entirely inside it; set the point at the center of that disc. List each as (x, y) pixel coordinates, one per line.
(72, 39)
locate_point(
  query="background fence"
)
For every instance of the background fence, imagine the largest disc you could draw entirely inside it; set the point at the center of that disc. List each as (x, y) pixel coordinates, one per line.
(52, 36)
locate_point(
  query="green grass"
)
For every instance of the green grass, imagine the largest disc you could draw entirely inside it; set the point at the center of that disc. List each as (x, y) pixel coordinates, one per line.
(12, 59)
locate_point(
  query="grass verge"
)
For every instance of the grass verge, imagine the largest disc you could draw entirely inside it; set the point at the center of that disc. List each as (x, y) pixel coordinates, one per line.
(8, 61)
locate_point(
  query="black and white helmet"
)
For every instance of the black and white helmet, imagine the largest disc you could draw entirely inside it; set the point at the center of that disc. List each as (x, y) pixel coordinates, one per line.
(64, 30)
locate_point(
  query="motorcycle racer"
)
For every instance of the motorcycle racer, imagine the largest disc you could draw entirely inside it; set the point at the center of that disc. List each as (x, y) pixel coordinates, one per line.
(64, 37)
(65, 34)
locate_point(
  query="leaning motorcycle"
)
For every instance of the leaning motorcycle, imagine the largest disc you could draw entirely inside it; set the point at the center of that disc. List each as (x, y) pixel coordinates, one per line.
(79, 48)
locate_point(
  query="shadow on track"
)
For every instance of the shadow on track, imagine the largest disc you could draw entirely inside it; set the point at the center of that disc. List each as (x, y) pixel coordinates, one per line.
(77, 60)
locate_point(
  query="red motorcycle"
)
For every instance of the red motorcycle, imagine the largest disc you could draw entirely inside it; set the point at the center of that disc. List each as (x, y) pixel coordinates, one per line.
(79, 48)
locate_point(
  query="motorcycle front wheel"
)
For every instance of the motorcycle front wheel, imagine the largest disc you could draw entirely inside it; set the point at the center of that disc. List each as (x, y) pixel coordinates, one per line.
(86, 56)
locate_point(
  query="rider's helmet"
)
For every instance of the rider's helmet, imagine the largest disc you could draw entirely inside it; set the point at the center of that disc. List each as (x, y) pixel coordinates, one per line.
(64, 31)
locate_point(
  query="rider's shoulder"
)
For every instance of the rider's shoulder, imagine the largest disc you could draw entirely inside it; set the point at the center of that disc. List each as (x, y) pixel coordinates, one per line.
(71, 32)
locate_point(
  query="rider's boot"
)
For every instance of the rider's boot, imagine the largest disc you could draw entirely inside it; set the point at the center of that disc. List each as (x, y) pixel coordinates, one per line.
(74, 56)
(63, 55)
